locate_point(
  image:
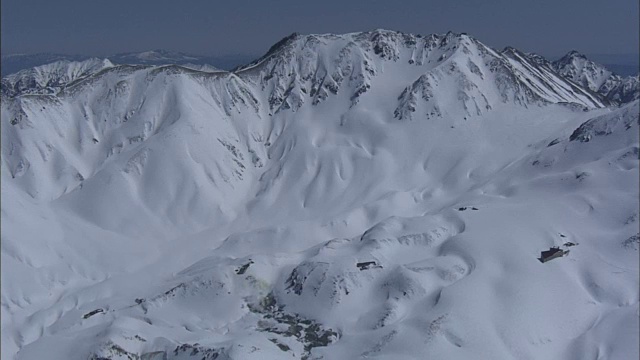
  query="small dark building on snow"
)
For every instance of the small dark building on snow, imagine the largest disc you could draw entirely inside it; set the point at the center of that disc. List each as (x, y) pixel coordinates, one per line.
(554, 252)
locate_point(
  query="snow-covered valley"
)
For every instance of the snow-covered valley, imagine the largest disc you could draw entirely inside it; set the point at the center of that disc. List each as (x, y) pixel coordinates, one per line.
(368, 195)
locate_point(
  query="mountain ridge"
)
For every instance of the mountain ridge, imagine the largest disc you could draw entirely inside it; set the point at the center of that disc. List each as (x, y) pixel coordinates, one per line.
(618, 89)
(14, 63)
(378, 48)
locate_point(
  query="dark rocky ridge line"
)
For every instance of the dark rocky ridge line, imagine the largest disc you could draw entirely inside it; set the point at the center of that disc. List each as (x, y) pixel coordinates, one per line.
(616, 90)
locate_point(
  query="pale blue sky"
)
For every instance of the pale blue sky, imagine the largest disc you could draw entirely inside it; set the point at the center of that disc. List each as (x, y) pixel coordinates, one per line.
(207, 27)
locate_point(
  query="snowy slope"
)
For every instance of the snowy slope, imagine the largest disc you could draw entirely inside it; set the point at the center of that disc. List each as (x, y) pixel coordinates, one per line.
(367, 195)
(579, 69)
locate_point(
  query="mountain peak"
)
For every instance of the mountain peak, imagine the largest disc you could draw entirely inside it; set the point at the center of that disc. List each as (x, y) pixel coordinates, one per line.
(383, 42)
(575, 53)
(319, 66)
(596, 77)
(282, 43)
(572, 56)
(578, 68)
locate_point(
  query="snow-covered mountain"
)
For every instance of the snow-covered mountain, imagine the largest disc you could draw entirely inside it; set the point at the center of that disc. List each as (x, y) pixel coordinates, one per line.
(578, 68)
(321, 65)
(366, 195)
(49, 78)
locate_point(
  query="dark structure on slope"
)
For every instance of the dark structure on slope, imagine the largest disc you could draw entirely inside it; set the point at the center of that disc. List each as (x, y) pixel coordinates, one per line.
(554, 252)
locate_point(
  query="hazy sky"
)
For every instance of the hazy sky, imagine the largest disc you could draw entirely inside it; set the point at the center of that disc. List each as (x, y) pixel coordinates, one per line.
(97, 27)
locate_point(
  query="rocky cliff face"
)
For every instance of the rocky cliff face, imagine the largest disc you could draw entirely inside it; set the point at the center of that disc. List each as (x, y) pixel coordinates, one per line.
(579, 69)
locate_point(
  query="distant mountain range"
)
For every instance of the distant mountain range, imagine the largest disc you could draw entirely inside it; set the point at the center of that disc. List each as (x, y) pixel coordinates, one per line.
(53, 71)
(15, 62)
(621, 64)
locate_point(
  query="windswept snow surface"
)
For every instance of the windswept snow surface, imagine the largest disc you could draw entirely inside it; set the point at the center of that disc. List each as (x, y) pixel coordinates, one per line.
(369, 195)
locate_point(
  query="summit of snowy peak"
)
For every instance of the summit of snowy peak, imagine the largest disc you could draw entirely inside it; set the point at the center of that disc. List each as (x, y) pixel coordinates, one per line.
(320, 66)
(380, 41)
(574, 54)
(581, 70)
(276, 48)
(596, 77)
(282, 43)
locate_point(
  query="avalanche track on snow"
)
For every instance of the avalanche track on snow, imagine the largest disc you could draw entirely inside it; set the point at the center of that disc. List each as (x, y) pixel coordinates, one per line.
(368, 195)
